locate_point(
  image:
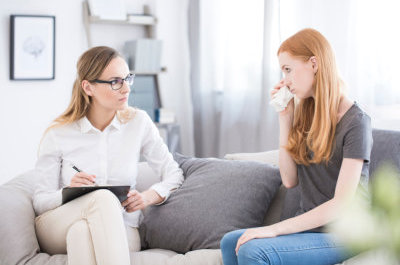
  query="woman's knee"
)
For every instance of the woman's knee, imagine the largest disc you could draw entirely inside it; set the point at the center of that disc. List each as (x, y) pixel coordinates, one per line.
(253, 253)
(105, 198)
(229, 240)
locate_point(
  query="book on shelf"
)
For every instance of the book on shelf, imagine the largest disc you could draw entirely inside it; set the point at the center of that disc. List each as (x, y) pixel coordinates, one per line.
(164, 116)
(141, 19)
(105, 9)
(143, 55)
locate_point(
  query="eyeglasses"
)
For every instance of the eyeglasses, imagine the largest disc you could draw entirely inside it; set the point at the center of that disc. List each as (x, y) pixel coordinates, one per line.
(117, 84)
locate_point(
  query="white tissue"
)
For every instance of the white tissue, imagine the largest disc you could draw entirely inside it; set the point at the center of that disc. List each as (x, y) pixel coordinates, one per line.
(281, 99)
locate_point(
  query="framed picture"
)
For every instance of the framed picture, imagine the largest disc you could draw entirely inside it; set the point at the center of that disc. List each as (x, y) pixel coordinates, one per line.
(32, 47)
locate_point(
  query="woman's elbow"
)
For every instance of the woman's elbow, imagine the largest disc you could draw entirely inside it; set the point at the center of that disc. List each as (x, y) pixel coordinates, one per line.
(289, 184)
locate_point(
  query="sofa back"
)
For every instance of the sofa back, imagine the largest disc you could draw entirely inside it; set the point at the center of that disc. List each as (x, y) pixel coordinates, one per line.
(386, 149)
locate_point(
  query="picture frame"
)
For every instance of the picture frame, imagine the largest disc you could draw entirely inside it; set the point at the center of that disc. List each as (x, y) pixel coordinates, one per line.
(32, 47)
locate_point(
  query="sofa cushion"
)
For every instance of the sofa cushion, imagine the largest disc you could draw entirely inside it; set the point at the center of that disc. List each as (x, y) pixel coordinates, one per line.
(18, 243)
(167, 257)
(269, 157)
(216, 197)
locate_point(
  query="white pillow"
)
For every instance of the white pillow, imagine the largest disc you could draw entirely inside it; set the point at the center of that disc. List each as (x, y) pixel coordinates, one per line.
(269, 157)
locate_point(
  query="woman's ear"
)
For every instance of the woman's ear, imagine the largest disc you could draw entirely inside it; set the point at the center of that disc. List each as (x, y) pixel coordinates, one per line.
(314, 63)
(87, 87)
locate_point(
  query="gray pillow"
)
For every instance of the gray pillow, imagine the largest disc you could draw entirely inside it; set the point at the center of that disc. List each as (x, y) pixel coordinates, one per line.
(217, 196)
(18, 243)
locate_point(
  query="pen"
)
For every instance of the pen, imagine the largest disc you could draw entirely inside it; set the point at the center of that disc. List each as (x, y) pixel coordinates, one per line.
(77, 169)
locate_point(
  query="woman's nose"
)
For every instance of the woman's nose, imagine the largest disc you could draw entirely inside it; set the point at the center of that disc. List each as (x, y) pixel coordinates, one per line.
(288, 81)
(125, 88)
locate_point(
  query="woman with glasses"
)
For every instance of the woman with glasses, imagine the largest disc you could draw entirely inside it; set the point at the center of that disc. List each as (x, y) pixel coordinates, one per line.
(98, 140)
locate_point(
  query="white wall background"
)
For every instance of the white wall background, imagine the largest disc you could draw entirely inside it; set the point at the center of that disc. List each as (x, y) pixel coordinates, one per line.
(27, 107)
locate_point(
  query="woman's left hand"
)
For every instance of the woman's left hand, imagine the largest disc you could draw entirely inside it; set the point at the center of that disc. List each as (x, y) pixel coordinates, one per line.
(136, 201)
(251, 233)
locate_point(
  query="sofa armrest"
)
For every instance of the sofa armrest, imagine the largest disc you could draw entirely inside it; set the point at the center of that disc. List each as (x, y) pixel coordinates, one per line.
(269, 157)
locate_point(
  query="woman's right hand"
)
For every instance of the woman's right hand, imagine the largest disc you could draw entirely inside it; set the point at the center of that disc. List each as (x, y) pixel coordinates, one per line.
(288, 112)
(82, 179)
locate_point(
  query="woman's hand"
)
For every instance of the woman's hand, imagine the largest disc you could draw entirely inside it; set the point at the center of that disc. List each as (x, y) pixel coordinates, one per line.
(82, 179)
(251, 233)
(288, 112)
(136, 201)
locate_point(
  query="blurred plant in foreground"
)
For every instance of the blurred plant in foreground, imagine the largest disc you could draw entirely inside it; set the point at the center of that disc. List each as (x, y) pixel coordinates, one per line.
(375, 223)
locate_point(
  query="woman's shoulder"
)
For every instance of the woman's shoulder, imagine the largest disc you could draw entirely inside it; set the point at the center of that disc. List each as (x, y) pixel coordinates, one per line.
(355, 117)
(60, 132)
(136, 116)
(359, 115)
(57, 128)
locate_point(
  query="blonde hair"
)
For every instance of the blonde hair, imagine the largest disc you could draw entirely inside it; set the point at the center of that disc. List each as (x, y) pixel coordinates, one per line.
(315, 119)
(90, 66)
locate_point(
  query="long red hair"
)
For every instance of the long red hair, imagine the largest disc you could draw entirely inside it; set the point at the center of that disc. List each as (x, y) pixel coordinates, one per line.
(315, 119)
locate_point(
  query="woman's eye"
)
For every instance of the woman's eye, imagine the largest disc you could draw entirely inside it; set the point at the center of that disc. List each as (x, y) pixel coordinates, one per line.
(115, 81)
(287, 70)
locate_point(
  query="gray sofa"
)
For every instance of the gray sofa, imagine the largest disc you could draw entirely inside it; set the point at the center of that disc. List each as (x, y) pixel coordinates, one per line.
(18, 243)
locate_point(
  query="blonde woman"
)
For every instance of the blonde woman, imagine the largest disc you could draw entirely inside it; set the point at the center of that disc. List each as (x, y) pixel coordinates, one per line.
(325, 145)
(104, 138)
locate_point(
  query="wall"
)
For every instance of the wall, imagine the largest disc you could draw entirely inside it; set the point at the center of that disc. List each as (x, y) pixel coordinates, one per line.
(27, 107)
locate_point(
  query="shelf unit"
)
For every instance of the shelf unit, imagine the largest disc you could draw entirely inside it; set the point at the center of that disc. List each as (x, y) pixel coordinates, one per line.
(146, 20)
(169, 131)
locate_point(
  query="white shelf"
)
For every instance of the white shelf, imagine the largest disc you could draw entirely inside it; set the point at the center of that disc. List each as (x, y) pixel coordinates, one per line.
(162, 70)
(146, 20)
(140, 20)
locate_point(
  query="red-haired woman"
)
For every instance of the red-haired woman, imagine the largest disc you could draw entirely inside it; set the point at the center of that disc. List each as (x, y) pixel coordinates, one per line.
(324, 147)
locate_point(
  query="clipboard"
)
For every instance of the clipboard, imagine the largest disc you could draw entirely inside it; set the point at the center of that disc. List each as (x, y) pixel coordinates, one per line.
(70, 193)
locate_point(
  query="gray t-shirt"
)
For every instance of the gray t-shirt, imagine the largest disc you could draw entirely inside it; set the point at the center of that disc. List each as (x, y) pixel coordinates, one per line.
(353, 139)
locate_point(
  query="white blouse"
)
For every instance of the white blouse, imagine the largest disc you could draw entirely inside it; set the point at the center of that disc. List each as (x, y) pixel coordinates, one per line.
(112, 155)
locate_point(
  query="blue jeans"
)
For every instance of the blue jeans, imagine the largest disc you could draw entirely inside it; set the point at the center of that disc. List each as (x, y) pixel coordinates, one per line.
(294, 249)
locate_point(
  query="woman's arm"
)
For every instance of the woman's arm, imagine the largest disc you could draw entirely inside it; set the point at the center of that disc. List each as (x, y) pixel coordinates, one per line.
(346, 186)
(157, 155)
(349, 177)
(47, 193)
(287, 166)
